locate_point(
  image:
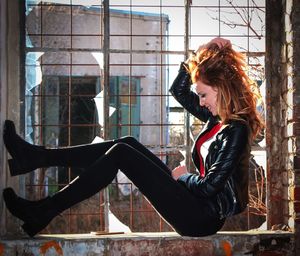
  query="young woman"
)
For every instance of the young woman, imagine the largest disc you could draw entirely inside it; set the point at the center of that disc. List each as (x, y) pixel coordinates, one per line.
(193, 204)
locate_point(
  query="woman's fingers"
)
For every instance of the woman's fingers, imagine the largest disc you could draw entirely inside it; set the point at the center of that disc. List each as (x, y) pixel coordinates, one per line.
(221, 42)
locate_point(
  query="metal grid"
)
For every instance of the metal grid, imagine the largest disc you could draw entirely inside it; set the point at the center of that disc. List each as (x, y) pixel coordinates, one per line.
(131, 51)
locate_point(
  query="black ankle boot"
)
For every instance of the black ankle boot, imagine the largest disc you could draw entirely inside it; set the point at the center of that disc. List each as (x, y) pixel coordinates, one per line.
(24, 155)
(35, 214)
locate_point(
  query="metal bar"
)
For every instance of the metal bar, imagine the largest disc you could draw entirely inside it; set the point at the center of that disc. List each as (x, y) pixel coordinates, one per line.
(88, 50)
(150, 5)
(105, 85)
(186, 113)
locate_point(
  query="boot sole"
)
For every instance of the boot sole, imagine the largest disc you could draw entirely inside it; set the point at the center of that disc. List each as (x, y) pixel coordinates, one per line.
(31, 230)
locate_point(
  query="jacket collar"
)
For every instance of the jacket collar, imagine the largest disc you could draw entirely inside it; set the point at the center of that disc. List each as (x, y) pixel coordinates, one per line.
(211, 122)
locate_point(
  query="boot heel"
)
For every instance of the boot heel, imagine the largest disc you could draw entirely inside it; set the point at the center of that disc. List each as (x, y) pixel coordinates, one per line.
(14, 167)
(30, 230)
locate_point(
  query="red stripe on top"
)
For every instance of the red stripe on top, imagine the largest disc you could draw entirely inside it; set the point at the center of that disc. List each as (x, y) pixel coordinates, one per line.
(200, 142)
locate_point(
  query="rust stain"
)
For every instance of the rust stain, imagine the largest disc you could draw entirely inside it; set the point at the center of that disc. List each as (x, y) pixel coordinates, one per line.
(227, 248)
(51, 244)
(1, 249)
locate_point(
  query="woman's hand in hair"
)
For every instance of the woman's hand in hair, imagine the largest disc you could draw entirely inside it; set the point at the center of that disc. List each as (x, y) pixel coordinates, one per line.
(221, 42)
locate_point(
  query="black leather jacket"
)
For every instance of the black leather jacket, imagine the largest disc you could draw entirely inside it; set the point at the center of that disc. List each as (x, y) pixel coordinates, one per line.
(225, 183)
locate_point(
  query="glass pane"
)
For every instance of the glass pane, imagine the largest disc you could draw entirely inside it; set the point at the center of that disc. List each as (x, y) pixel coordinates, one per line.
(85, 86)
(83, 110)
(257, 68)
(56, 42)
(52, 87)
(53, 16)
(175, 16)
(55, 110)
(86, 70)
(234, 3)
(240, 43)
(83, 58)
(119, 3)
(234, 21)
(257, 22)
(172, 3)
(258, 3)
(205, 2)
(257, 44)
(204, 21)
(86, 21)
(57, 69)
(88, 3)
(120, 42)
(145, 2)
(123, 19)
(55, 58)
(87, 42)
(33, 19)
(147, 21)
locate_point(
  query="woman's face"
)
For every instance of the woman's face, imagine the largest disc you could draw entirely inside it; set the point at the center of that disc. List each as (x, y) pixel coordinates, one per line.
(207, 96)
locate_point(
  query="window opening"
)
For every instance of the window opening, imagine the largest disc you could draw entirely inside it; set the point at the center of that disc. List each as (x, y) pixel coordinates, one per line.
(64, 91)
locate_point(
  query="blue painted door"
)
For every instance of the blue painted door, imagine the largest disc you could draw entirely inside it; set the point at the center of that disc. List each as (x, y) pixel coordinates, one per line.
(124, 96)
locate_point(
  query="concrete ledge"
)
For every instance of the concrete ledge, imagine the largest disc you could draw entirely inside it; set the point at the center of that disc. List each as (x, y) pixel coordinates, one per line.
(134, 244)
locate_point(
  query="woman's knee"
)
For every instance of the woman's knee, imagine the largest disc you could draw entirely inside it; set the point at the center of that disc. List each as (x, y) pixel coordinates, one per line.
(128, 140)
(120, 147)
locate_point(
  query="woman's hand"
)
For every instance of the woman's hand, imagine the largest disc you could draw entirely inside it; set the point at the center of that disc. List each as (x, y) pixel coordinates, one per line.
(221, 42)
(179, 171)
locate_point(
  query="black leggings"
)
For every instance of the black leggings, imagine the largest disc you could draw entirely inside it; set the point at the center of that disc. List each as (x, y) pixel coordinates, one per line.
(187, 214)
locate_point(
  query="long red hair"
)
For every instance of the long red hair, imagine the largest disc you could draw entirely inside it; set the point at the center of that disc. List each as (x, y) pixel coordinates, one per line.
(225, 69)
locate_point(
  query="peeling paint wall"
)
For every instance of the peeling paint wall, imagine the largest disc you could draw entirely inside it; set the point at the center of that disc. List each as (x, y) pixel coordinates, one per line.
(295, 156)
(167, 244)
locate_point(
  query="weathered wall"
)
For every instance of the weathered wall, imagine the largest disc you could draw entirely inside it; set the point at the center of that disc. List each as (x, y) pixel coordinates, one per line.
(295, 95)
(283, 114)
(2, 92)
(153, 244)
(274, 139)
(10, 97)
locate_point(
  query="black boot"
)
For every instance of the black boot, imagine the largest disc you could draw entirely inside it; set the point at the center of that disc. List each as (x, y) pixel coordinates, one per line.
(35, 214)
(25, 156)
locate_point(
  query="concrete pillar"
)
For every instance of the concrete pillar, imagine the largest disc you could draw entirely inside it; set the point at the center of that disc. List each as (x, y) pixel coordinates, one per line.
(2, 106)
(274, 117)
(10, 74)
(283, 114)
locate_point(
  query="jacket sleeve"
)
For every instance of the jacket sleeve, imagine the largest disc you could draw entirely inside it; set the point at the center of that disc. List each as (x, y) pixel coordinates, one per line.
(181, 90)
(233, 145)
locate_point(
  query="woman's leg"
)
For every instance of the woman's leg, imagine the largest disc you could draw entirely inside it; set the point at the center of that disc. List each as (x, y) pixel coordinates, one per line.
(27, 157)
(175, 204)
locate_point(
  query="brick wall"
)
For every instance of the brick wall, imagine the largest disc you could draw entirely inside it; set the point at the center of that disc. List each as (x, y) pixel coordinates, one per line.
(283, 114)
(295, 23)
